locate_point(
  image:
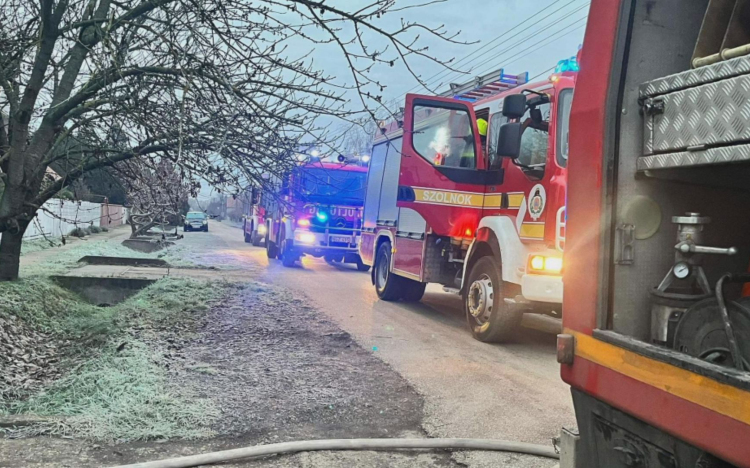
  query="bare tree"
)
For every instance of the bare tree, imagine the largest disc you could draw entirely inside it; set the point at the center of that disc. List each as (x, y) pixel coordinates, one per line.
(212, 85)
(158, 194)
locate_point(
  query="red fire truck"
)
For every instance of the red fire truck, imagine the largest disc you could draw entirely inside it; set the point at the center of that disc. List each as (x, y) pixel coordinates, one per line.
(318, 213)
(656, 340)
(483, 218)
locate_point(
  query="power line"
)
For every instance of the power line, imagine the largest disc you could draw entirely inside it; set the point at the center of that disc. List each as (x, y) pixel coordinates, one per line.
(493, 60)
(496, 38)
(430, 82)
(513, 48)
(567, 29)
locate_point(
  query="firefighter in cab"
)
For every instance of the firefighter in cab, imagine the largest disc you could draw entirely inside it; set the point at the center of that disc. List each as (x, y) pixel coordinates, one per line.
(464, 157)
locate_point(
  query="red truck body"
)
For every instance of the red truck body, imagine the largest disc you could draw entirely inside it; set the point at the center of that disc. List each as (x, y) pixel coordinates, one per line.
(441, 199)
(646, 130)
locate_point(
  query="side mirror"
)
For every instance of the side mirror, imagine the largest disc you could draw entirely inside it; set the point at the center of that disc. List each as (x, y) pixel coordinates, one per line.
(509, 140)
(514, 106)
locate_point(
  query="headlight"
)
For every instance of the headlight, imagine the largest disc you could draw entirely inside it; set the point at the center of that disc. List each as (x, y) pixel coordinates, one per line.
(305, 237)
(304, 222)
(541, 264)
(205, 221)
(262, 229)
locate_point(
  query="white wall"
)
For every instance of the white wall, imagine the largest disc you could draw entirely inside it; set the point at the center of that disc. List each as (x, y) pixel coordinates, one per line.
(58, 217)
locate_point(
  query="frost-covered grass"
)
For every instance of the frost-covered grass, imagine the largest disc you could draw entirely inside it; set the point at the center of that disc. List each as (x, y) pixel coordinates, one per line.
(112, 395)
(120, 396)
(64, 259)
(50, 308)
(35, 245)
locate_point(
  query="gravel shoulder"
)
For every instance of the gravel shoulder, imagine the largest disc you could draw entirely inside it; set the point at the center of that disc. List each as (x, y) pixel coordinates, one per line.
(277, 371)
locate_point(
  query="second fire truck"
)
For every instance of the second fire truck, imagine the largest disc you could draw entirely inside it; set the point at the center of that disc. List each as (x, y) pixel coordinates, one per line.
(318, 212)
(481, 215)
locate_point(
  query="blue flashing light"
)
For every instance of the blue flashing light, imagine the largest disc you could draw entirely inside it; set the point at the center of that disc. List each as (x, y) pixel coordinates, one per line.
(567, 65)
(322, 216)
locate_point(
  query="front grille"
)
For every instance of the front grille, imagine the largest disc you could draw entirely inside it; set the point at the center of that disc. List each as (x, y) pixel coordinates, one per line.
(336, 226)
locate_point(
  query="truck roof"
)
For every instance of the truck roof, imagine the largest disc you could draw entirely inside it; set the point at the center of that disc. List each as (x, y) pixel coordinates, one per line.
(562, 80)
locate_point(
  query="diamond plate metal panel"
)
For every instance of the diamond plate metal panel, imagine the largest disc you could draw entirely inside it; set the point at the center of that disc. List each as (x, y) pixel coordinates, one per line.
(699, 76)
(722, 155)
(708, 115)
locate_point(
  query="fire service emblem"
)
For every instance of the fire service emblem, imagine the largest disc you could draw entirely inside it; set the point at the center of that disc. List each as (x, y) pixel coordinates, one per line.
(537, 200)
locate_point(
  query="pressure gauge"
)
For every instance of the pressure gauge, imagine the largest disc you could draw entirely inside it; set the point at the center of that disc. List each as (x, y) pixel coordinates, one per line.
(681, 270)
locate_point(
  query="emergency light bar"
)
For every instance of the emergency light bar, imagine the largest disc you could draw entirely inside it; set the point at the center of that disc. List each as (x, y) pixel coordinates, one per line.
(567, 65)
(485, 86)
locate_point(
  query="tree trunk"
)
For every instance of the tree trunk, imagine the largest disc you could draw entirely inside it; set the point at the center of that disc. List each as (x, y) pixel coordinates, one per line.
(10, 253)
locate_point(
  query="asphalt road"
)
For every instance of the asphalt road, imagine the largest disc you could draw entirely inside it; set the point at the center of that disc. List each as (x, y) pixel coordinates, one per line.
(511, 391)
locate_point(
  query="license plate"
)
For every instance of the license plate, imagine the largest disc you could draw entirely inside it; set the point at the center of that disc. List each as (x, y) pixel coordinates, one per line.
(341, 239)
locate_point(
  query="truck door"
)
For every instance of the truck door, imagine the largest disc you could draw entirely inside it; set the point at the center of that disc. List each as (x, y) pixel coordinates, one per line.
(534, 185)
(442, 175)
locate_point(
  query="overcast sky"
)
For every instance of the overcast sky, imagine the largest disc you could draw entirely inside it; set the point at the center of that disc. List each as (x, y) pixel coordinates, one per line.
(517, 35)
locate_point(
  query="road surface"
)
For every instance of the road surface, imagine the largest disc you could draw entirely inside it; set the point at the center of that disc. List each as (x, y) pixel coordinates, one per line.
(511, 391)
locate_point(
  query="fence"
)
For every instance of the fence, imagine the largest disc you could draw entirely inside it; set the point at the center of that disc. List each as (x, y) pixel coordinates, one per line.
(58, 217)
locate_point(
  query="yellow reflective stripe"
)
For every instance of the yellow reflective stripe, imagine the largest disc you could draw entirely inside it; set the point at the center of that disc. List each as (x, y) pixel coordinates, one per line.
(494, 200)
(447, 197)
(704, 391)
(532, 230)
(469, 199)
(515, 199)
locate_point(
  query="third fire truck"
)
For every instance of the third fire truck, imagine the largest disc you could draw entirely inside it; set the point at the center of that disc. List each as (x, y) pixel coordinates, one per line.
(483, 216)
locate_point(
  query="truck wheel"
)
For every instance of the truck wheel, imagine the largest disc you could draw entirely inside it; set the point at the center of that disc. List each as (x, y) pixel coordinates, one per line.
(271, 249)
(412, 290)
(361, 266)
(387, 285)
(256, 239)
(488, 316)
(247, 238)
(288, 256)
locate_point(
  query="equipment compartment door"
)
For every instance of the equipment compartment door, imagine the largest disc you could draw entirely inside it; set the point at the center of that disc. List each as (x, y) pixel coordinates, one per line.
(442, 167)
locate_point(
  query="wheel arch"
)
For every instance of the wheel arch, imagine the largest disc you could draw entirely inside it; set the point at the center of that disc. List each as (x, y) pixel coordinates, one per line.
(381, 237)
(497, 236)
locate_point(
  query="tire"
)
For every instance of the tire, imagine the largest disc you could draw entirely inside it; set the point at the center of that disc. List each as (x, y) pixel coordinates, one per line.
(271, 250)
(387, 285)
(205, 229)
(247, 238)
(184, 229)
(412, 290)
(256, 239)
(361, 266)
(288, 257)
(488, 316)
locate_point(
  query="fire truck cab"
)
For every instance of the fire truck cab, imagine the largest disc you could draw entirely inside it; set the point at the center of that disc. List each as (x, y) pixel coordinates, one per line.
(483, 216)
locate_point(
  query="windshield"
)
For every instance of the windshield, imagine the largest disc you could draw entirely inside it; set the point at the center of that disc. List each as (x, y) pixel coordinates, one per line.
(195, 215)
(331, 185)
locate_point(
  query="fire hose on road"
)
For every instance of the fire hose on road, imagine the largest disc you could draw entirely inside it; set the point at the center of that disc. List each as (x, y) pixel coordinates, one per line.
(349, 444)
